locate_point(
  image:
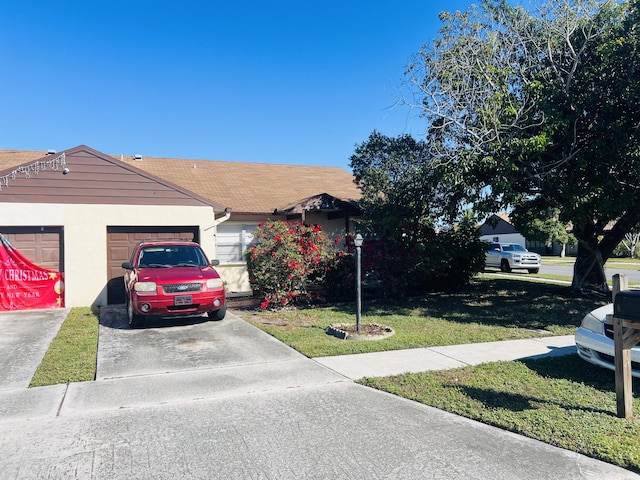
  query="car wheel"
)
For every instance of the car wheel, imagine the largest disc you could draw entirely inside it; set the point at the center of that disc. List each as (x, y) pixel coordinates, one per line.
(504, 266)
(135, 320)
(534, 270)
(217, 314)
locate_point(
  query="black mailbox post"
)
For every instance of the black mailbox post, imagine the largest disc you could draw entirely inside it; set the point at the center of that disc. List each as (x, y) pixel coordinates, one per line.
(626, 334)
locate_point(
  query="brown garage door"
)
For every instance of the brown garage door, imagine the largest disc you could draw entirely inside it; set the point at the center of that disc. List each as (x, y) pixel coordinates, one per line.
(120, 244)
(41, 245)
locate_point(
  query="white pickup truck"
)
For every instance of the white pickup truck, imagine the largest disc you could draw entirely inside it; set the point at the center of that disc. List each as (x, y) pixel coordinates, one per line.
(507, 256)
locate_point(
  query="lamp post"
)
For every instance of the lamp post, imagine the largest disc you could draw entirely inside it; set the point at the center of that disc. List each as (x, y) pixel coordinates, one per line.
(358, 242)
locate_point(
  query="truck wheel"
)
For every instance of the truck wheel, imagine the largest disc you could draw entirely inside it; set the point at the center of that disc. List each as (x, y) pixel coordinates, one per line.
(217, 314)
(135, 320)
(534, 270)
(504, 266)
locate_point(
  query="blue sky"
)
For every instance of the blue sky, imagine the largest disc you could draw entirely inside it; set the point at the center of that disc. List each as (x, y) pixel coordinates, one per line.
(296, 82)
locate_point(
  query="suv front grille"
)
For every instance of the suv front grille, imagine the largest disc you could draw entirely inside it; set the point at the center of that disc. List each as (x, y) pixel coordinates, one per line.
(182, 287)
(528, 259)
(610, 359)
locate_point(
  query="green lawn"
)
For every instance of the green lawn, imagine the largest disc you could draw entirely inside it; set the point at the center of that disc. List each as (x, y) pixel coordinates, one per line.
(493, 308)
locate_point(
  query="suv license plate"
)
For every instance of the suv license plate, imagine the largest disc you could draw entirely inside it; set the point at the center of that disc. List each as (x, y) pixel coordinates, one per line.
(183, 300)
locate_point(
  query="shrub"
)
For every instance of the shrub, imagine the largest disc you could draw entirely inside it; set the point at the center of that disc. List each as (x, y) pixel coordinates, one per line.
(422, 259)
(287, 258)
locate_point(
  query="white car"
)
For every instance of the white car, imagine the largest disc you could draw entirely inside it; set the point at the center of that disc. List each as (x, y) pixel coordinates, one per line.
(594, 340)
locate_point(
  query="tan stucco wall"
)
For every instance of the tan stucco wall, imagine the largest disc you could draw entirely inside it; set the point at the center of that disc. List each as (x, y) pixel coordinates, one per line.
(236, 277)
(85, 237)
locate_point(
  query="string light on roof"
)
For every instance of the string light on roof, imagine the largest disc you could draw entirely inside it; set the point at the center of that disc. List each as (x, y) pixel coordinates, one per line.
(36, 167)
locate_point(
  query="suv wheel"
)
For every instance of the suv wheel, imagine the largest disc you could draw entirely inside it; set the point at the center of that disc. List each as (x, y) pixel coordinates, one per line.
(135, 320)
(504, 266)
(217, 314)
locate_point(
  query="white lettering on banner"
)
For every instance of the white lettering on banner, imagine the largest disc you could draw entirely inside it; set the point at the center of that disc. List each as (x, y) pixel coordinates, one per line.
(24, 275)
(20, 295)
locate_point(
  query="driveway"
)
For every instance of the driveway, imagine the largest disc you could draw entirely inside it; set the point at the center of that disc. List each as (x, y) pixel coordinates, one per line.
(24, 339)
(166, 346)
(225, 400)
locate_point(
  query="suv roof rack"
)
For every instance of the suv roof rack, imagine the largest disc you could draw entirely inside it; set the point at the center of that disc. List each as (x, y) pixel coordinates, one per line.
(167, 240)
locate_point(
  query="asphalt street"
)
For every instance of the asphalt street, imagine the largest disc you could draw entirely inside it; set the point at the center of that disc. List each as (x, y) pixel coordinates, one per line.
(633, 275)
(224, 400)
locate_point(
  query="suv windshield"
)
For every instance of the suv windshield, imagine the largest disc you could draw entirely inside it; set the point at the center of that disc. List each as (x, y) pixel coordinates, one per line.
(514, 248)
(171, 256)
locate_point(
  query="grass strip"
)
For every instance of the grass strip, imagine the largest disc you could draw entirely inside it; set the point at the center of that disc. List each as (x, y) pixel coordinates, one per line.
(562, 401)
(72, 355)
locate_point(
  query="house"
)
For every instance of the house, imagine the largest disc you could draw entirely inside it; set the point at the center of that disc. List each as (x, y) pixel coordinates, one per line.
(498, 228)
(81, 211)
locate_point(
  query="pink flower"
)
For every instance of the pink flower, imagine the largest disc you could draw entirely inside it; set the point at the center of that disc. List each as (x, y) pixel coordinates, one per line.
(264, 304)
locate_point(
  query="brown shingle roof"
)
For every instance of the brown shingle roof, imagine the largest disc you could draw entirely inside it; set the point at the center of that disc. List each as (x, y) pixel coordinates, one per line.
(244, 187)
(252, 187)
(13, 158)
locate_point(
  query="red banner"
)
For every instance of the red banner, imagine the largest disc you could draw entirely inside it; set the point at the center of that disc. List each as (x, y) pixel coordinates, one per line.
(24, 285)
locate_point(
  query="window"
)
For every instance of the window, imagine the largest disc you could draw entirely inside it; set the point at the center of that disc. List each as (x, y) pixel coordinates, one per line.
(232, 240)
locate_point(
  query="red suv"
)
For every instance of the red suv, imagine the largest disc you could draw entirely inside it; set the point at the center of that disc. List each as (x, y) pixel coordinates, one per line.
(167, 278)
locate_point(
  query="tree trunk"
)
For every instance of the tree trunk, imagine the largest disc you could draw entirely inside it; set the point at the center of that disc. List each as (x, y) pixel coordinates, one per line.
(588, 271)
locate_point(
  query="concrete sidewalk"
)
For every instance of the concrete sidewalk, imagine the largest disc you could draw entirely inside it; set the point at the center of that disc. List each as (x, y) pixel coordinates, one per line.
(382, 364)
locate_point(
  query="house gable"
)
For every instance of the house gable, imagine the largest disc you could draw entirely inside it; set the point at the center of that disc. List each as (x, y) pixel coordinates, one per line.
(92, 178)
(332, 206)
(497, 225)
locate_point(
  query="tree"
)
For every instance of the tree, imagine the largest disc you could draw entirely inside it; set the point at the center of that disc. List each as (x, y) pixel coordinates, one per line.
(631, 241)
(544, 227)
(419, 239)
(540, 111)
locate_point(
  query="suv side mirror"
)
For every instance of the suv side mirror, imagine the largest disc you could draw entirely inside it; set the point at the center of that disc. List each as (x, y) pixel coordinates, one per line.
(127, 266)
(215, 263)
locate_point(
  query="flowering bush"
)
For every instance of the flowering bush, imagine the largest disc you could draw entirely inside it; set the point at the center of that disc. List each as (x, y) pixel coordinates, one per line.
(286, 258)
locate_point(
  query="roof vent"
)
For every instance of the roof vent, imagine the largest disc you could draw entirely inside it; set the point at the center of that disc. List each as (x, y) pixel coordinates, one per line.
(137, 157)
(51, 152)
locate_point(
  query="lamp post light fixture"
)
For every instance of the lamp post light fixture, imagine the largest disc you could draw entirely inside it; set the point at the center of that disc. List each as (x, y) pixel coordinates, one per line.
(358, 242)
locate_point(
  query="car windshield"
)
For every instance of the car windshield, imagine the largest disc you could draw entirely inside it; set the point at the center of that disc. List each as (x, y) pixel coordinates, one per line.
(172, 256)
(514, 248)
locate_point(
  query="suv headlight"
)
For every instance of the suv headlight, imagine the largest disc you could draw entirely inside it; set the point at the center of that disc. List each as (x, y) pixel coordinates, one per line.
(214, 283)
(591, 323)
(145, 286)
